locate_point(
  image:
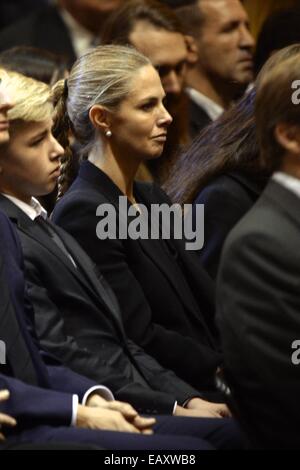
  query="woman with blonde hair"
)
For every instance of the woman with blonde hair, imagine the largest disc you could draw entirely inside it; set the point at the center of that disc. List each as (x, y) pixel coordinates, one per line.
(113, 104)
(76, 315)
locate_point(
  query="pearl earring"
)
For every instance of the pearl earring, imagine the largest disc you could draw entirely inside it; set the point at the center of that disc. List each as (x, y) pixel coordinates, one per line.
(108, 133)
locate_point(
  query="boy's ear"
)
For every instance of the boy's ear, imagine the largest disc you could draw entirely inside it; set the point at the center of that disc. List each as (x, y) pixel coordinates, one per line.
(192, 50)
(288, 136)
(100, 117)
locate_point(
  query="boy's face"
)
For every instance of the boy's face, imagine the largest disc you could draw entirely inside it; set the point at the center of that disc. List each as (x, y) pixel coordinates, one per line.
(30, 161)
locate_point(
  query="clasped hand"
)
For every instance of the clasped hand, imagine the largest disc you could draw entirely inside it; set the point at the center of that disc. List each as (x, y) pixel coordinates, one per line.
(112, 416)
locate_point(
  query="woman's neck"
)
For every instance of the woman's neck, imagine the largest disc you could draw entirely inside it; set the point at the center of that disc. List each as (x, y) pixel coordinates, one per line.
(120, 169)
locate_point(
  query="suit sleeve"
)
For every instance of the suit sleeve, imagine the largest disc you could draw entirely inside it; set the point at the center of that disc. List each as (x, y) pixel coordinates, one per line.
(163, 379)
(32, 406)
(111, 258)
(51, 331)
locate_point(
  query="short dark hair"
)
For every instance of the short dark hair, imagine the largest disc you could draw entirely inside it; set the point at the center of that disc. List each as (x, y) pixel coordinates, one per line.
(36, 63)
(281, 29)
(191, 16)
(122, 22)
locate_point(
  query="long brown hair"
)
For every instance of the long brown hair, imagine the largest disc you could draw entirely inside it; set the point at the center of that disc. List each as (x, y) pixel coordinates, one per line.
(227, 144)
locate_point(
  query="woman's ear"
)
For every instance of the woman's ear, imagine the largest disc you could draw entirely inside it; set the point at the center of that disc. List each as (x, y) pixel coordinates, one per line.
(192, 50)
(100, 117)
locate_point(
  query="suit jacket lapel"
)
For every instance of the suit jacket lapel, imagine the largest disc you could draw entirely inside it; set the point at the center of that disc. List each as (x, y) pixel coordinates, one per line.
(102, 184)
(159, 256)
(84, 272)
(90, 272)
(284, 200)
(254, 185)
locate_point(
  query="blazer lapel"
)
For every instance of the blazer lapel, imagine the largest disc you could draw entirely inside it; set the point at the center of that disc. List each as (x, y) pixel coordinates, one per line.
(253, 184)
(102, 184)
(283, 199)
(84, 273)
(160, 257)
(91, 275)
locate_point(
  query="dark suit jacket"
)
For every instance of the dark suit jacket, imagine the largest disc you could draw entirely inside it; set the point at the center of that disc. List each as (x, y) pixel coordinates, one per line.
(166, 298)
(12, 10)
(44, 28)
(198, 118)
(226, 199)
(49, 401)
(78, 319)
(258, 310)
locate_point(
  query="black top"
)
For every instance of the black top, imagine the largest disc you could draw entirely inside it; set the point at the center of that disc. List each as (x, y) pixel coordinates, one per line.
(166, 298)
(198, 118)
(226, 199)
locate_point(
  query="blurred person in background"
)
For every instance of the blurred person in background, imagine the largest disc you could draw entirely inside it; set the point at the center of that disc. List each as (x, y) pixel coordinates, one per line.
(220, 56)
(258, 281)
(67, 27)
(280, 29)
(222, 170)
(12, 10)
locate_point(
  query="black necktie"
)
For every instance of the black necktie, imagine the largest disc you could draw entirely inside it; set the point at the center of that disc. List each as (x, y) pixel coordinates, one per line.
(46, 226)
(17, 352)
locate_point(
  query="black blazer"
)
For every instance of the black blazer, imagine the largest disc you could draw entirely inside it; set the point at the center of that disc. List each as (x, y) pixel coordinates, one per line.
(258, 309)
(38, 368)
(166, 298)
(226, 199)
(44, 28)
(78, 319)
(198, 118)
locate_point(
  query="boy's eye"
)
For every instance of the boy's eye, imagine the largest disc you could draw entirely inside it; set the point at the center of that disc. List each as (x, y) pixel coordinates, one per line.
(148, 105)
(39, 138)
(36, 142)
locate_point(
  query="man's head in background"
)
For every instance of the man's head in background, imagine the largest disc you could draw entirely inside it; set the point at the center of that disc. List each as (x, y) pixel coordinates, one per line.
(277, 112)
(220, 29)
(280, 29)
(154, 30)
(90, 13)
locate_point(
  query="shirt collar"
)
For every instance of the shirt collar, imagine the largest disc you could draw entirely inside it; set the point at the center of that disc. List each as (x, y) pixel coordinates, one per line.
(213, 109)
(290, 182)
(33, 210)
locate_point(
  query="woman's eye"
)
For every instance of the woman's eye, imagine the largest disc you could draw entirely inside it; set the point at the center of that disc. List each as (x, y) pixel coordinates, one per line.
(147, 106)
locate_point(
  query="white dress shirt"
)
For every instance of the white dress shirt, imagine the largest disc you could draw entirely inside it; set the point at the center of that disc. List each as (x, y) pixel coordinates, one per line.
(33, 210)
(290, 182)
(213, 109)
